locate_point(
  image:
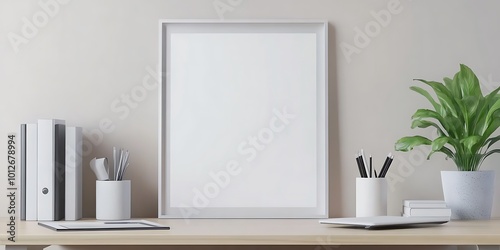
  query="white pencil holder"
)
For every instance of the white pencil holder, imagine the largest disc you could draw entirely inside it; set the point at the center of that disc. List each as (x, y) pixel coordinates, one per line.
(112, 200)
(371, 197)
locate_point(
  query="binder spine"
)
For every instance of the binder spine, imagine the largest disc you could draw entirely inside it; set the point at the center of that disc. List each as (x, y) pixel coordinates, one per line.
(59, 174)
(51, 155)
(74, 144)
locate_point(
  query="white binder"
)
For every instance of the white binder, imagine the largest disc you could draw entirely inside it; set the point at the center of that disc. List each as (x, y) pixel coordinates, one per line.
(74, 144)
(51, 154)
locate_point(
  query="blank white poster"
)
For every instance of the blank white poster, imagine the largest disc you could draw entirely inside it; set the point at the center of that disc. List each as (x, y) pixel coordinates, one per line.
(243, 136)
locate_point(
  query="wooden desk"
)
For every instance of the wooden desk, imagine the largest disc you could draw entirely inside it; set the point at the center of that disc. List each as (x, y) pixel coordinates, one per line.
(263, 232)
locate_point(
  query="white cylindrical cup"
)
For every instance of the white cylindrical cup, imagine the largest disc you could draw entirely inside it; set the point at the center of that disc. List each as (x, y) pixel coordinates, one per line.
(371, 197)
(112, 200)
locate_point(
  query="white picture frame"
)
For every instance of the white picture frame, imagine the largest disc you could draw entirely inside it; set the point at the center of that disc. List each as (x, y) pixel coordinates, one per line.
(243, 119)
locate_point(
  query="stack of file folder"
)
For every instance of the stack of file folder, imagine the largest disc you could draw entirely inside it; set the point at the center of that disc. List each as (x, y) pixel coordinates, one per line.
(51, 171)
(427, 208)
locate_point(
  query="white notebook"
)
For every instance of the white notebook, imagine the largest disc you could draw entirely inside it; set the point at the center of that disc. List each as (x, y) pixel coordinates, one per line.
(385, 221)
(102, 225)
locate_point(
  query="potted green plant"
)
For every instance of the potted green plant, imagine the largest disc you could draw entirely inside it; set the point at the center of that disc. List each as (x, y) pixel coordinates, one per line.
(465, 120)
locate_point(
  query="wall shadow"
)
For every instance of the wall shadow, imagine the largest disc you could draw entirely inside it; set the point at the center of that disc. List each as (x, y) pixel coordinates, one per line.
(334, 169)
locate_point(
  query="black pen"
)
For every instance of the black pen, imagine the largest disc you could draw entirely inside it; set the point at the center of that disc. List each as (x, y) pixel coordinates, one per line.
(363, 167)
(388, 165)
(359, 165)
(371, 166)
(387, 159)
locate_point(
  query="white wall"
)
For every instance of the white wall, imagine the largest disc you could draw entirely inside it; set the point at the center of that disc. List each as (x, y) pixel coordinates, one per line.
(90, 55)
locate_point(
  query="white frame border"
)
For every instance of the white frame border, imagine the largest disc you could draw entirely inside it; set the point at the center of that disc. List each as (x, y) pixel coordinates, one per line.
(164, 211)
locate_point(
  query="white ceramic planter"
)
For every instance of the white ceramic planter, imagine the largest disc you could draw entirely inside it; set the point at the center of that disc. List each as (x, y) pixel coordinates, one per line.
(469, 194)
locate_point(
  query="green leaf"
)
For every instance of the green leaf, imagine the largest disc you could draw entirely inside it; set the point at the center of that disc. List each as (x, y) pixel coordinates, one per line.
(419, 123)
(443, 150)
(493, 151)
(438, 143)
(448, 152)
(444, 95)
(492, 127)
(492, 141)
(480, 121)
(453, 87)
(406, 144)
(450, 124)
(471, 141)
(491, 111)
(471, 103)
(426, 94)
(426, 113)
(463, 116)
(453, 126)
(468, 82)
(468, 106)
(422, 114)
